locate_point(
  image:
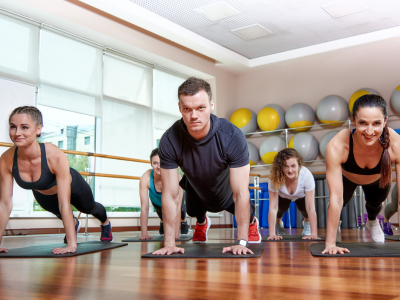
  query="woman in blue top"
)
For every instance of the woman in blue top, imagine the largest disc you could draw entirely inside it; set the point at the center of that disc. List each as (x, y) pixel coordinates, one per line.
(150, 188)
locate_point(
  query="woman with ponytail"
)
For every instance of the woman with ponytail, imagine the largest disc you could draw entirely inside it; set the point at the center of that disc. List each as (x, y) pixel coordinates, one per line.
(361, 156)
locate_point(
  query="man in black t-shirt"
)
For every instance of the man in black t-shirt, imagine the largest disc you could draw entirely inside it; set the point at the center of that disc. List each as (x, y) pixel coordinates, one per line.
(214, 157)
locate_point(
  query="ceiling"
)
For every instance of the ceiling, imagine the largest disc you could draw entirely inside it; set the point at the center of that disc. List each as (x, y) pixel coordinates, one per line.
(299, 28)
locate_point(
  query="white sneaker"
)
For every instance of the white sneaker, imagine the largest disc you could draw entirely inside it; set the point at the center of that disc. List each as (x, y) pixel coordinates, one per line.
(280, 229)
(307, 228)
(338, 233)
(374, 227)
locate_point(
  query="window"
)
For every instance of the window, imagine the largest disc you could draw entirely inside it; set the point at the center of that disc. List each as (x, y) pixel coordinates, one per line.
(21, 94)
(166, 110)
(60, 144)
(19, 52)
(62, 130)
(87, 140)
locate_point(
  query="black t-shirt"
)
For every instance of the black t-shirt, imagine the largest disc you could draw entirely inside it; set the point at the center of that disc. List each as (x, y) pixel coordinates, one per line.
(205, 163)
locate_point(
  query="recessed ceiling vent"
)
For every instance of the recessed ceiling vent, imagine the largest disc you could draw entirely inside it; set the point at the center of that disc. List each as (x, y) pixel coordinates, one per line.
(217, 10)
(252, 32)
(344, 8)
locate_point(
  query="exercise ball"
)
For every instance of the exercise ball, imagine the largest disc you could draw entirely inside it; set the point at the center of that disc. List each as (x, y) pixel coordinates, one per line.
(245, 119)
(358, 94)
(271, 117)
(306, 144)
(395, 99)
(332, 109)
(270, 147)
(253, 154)
(299, 115)
(325, 140)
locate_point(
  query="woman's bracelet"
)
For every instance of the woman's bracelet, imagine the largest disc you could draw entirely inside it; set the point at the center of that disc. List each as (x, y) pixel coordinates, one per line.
(74, 247)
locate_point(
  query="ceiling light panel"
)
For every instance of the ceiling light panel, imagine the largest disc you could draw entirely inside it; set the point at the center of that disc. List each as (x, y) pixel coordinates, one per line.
(217, 10)
(252, 32)
(295, 24)
(344, 8)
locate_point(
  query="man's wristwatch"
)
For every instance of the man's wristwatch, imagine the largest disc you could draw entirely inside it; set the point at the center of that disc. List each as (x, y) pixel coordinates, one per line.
(242, 243)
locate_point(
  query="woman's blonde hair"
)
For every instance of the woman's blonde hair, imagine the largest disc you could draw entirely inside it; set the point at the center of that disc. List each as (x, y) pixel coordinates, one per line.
(278, 177)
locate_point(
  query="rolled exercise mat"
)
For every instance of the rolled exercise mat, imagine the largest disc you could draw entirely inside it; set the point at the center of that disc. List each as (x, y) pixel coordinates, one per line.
(393, 237)
(360, 250)
(158, 238)
(46, 250)
(209, 251)
(292, 238)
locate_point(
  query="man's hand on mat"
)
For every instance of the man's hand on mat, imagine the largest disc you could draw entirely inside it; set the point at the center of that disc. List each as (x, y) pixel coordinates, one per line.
(168, 250)
(311, 237)
(237, 249)
(333, 249)
(68, 249)
(146, 237)
(274, 237)
(3, 250)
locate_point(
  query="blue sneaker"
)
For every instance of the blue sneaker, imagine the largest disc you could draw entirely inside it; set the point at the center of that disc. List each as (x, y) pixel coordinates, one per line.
(387, 228)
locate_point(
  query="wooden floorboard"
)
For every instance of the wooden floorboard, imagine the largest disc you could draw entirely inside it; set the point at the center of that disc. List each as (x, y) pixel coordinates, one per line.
(286, 270)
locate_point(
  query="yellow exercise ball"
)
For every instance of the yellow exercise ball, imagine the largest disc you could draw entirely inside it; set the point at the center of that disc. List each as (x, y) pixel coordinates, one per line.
(271, 117)
(358, 94)
(245, 119)
(270, 148)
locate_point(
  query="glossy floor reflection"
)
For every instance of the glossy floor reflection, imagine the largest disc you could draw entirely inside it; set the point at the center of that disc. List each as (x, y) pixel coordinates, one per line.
(286, 270)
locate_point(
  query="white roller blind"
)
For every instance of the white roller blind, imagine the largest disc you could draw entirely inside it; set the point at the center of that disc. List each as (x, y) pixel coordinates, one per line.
(126, 131)
(127, 80)
(12, 95)
(19, 50)
(70, 74)
(165, 103)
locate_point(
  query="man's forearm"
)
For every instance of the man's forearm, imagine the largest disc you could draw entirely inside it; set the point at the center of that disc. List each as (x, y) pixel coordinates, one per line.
(170, 208)
(242, 214)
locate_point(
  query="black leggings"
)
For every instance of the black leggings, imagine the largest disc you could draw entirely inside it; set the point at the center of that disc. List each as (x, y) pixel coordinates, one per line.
(374, 196)
(81, 198)
(284, 204)
(183, 209)
(198, 209)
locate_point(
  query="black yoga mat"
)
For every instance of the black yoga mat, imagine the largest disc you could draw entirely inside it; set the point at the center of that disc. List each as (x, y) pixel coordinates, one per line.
(158, 238)
(46, 250)
(360, 250)
(393, 237)
(292, 238)
(209, 251)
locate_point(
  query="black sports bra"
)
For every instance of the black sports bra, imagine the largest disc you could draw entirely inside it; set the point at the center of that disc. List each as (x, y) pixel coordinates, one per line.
(351, 166)
(47, 179)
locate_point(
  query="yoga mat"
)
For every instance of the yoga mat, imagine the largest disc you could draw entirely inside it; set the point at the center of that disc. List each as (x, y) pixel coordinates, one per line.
(292, 238)
(209, 251)
(45, 250)
(393, 237)
(360, 250)
(158, 238)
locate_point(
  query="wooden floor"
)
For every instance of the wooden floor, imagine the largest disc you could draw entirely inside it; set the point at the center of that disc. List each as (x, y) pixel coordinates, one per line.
(285, 271)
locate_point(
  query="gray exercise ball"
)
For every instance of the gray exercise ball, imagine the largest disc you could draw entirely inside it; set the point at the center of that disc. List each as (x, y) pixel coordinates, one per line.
(325, 140)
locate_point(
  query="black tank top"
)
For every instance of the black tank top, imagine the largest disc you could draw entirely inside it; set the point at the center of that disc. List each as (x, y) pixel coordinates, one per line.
(351, 166)
(47, 179)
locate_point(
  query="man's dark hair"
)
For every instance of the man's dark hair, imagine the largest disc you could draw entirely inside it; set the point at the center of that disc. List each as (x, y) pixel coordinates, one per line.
(153, 153)
(194, 85)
